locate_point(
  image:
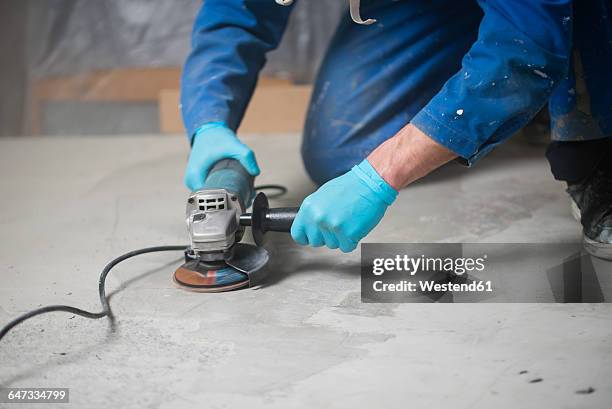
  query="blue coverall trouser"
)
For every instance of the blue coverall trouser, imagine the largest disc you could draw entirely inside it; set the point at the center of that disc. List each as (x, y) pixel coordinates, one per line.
(375, 79)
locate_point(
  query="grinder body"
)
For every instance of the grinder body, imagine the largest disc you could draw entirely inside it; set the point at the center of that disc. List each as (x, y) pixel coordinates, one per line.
(213, 212)
(216, 220)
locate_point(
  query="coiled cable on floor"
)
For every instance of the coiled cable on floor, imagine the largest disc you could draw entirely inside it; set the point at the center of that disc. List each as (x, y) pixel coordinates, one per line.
(106, 311)
(279, 190)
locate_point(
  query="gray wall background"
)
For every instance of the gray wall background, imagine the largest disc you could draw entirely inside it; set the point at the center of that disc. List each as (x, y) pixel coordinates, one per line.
(45, 38)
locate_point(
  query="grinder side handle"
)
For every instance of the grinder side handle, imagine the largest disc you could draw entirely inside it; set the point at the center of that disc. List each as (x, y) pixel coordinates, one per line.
(262, 219)
(280, 219)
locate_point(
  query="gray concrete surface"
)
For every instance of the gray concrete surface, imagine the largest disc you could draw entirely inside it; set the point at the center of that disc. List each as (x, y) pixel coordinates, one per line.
(68, 205)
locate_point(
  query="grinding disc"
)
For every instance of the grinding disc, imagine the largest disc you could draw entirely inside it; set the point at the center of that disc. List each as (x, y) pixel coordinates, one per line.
(236, 273)
(192, 277)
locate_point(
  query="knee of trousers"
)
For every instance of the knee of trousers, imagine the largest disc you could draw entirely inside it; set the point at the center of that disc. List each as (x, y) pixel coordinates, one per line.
(331, 147)
(329, 151)
(322, 166)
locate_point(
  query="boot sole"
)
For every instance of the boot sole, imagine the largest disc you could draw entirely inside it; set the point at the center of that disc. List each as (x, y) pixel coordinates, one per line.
(575, 210)
(594, 248)
(597, 249)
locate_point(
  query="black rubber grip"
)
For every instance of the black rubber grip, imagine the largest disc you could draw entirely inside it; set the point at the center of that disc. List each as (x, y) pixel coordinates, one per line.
(280, 219)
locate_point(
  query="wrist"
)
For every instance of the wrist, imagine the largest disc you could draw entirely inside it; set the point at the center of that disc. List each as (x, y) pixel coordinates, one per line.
(407, 156)
(366, 172)
(210, 125)
(207, 126)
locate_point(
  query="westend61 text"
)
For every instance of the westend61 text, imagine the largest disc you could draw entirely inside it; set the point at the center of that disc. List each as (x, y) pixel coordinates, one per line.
(431, 286)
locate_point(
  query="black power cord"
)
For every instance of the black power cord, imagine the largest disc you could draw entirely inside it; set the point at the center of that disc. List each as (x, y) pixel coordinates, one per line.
(279, 190)
(106, 311)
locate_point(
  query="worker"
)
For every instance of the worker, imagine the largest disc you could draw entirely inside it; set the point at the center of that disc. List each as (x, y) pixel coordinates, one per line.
(430, 82)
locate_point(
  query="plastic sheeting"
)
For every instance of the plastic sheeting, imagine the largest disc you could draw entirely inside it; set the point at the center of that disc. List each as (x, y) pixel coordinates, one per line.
(74, 36)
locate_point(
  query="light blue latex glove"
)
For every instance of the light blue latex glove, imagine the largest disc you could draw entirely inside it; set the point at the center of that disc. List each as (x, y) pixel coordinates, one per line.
(212, 142)
(344, 210)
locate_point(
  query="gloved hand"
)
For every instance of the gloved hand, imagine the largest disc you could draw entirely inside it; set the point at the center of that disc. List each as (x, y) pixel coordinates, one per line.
(343, 210)
(212, 142)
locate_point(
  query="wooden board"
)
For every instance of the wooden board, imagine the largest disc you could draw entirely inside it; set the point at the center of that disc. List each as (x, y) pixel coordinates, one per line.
(277, 106)
(274, 108)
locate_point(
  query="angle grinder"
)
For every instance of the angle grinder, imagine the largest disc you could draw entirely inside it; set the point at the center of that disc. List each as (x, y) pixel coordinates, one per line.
(216, 219)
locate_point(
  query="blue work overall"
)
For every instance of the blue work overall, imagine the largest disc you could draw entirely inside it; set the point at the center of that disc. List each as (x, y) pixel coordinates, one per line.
(467, 73)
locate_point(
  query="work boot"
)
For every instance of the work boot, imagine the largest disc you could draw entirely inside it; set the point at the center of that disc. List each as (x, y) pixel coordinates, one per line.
(592, 207)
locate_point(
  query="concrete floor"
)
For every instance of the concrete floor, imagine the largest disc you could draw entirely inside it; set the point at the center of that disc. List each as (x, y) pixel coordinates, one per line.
(68, 205)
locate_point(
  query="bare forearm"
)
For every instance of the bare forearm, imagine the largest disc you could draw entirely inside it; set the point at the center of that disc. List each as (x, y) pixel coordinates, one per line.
(408, 156)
